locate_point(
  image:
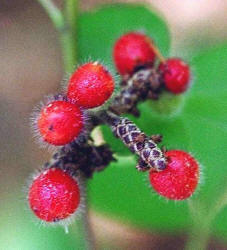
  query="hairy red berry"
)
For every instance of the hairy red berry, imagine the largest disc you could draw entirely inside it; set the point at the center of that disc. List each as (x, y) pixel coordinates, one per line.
(176, 75)
(60, 122)
(54, 195)
(90, 85)
(132, 50)
(179, 179)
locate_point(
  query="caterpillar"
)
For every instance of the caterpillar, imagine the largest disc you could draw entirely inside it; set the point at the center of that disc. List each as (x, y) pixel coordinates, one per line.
(150, 154)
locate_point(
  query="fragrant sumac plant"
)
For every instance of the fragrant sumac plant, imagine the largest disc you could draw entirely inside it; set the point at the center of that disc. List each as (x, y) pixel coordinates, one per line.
(120, 105)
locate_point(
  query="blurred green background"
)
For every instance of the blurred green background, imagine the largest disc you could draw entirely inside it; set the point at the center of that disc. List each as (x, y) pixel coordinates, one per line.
(125, 213)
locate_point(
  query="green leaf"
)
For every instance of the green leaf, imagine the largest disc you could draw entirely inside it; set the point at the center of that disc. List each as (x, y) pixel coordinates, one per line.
(98, 31)
(200, 128)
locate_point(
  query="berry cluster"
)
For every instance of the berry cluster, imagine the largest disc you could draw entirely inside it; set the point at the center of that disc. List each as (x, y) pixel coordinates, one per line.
(134, 51)
(66, 120)
(55, 193)
(62, 119)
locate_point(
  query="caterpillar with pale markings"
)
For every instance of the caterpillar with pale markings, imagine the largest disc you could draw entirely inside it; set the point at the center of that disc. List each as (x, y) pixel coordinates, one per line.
(150, 154)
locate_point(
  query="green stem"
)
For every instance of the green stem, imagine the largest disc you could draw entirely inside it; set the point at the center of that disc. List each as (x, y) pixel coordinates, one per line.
(68, 36)
(82, 231)
(202, 221)
(89, 240)
(53, 12)
(66, 26)
(201, 226)
(199, 236)
(200, 230)
(220, 204)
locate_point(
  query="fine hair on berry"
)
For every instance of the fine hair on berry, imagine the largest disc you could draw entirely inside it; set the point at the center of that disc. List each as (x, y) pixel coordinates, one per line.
(178, 181)
(133, 50)
(175, 75)
(59, 122)
(55, 196)
(90, 86)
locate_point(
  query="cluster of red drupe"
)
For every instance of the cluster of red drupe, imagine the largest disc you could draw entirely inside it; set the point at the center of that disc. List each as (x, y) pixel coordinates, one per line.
(134, 50)
(55, 193)
(61, 121)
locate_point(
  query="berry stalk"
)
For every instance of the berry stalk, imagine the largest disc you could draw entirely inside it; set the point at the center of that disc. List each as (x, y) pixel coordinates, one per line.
(158, 53)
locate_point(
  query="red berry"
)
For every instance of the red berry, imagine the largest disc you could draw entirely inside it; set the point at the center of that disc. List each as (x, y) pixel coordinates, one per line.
(90, 85)
(176, 75)
(60, 122)
(132, 50)
(179, 179)
(54, 195)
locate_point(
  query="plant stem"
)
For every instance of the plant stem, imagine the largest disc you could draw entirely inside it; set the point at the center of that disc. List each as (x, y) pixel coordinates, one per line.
(89, 237)
(220, 204)
(53, 12)
(200, 231)
(199, 236)
(66, 26)
(202, 221)
(82, 231)
(158, 53)
(68, 35)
